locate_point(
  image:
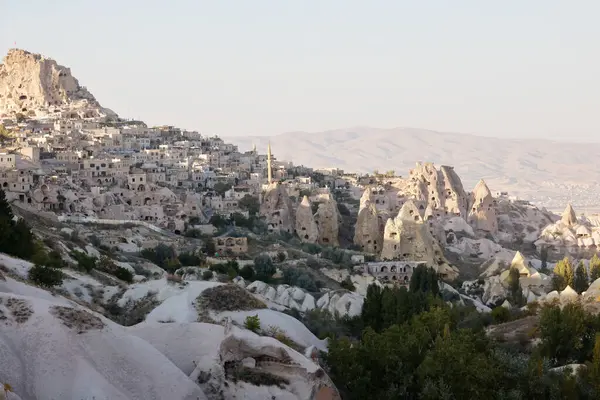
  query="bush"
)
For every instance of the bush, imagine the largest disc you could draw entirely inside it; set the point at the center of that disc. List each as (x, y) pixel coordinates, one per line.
(281, 256)
(207, 275)
(311, 248)
(247, 273)
(228, 297)
(46, 276)
(193, 233)
(160, 255)
(189, 259)
(264, 268)
(347, 284)
(124, 274)
(252, 323)
(84, 262)
(500, 315)
(297, 277)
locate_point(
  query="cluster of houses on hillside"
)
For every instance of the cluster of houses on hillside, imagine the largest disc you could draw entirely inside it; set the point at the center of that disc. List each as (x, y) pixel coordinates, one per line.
(128, 171)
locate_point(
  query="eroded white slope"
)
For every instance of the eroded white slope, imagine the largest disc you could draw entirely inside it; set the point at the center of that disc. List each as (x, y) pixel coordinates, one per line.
(44, 359)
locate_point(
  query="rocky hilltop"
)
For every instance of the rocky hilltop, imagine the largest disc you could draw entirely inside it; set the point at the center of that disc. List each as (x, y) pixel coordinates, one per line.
(35, 86)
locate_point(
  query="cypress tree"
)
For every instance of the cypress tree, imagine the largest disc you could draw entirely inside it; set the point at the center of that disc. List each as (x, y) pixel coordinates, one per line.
(594, 268)
(581, 280)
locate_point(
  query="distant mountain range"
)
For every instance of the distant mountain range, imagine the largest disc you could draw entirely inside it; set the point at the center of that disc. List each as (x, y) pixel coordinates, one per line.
(546, 172)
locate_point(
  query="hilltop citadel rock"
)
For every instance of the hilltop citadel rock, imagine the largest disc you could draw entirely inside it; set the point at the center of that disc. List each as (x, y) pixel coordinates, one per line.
(33, 85)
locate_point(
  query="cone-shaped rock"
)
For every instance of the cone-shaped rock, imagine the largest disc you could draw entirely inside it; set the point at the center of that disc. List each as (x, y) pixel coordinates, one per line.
(569, 217)
(482, 215)
(277, 209)
(306, 227)
(326, 218)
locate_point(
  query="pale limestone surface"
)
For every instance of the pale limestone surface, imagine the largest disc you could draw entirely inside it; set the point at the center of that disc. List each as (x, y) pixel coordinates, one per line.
(306, 227)
(482, 215)
(278, 209)
(327, 219)
(35, 86)
(367, 233)
(408, 237)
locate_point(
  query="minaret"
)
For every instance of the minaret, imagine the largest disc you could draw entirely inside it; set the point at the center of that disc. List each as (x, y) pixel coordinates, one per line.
(269, 165)
(254, 148)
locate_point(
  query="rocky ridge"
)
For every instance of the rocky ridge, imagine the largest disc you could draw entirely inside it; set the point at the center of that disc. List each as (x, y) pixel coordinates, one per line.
(35, 86)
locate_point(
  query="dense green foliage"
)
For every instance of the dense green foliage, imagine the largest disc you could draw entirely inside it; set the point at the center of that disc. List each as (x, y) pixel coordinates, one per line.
(46, 276)
(408, 344)
(594, 268)
(297, 277)
(85, 262)
(580, 283)
(16, 238)
(264, 267)
(515, 292)
(247, 272)
(564, 274)
(164, 256)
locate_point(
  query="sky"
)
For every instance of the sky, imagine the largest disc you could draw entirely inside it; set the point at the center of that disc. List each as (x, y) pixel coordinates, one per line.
(509, 68)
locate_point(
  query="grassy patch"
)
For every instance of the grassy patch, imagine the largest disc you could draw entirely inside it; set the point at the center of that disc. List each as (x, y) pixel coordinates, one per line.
(237, 372)
(228, 298)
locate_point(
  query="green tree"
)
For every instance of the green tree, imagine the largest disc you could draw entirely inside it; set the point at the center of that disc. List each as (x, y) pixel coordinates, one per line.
(124, 274)
(424, 279)
(209, 247)
(218, 221)
(5, 210)
(564, 269)
(264, 267)
(567, 334)
(247, 272)
(581, 280)
(207, 275)
(515, 292)
(544, 257)
(46, 276)
(594, 268)
(252, 323)
(221, 187)
(249, 203)
(371, 310)
(84, 262)
(4, 134)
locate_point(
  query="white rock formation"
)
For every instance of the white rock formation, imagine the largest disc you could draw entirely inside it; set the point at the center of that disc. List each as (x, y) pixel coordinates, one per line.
(570, 233)
(341, 302)
(441, 191)
(33, 85)
(327, 219)
(407, 237)
(306, 227)
(284, 295)
(569, 218)
(482, 215)
(367, 233)
(278, 209)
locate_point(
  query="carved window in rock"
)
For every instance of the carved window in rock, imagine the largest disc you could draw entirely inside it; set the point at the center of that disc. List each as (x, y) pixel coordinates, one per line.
(393, 268)
(384, 269)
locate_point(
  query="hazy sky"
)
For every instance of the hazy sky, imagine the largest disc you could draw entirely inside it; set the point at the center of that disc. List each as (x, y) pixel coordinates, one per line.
(260, 67)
